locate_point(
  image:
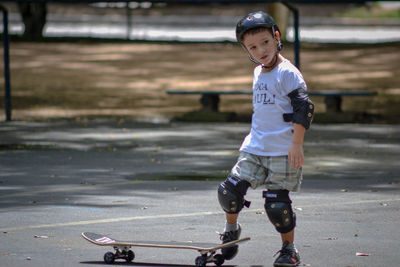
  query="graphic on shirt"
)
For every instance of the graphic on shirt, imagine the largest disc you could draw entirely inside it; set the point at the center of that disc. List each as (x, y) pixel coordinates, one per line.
(261, 95)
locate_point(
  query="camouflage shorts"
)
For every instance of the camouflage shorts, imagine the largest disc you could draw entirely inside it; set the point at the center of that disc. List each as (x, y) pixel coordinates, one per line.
(272, 172)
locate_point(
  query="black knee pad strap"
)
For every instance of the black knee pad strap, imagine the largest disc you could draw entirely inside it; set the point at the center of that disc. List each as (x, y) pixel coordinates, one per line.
(278, 207)
(231, 195)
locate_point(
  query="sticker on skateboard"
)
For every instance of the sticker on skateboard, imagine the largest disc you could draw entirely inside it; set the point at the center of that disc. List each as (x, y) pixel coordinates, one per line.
(123, 248)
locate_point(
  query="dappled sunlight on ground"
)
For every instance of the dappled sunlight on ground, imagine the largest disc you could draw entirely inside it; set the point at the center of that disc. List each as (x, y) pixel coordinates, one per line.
(53, 80)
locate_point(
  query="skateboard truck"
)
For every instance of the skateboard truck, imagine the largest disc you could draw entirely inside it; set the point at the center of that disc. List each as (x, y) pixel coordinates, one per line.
(209, 256)
(120, 253)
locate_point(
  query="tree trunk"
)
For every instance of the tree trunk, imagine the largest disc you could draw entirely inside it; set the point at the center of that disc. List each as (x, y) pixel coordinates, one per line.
(281, 15)
(34, 18)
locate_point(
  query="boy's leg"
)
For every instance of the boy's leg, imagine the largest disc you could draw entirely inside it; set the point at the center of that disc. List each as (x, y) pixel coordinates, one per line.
(232, 232)
(288, 237)
(279, 210)
(278, 205)
(231, 198)
(232, 218)
(246, 172)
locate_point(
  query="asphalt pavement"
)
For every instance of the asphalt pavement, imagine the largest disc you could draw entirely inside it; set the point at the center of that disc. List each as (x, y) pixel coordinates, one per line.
(143, 181)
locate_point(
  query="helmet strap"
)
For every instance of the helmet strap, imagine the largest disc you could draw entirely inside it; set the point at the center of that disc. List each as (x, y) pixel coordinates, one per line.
(280, 45)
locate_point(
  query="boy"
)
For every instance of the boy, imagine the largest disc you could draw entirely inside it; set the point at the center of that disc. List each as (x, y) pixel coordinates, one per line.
(272, 153)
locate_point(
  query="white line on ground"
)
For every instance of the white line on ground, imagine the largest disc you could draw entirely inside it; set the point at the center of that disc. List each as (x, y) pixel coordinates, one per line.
(195, 214)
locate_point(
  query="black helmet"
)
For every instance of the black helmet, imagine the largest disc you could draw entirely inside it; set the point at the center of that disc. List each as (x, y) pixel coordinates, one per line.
(254, 20)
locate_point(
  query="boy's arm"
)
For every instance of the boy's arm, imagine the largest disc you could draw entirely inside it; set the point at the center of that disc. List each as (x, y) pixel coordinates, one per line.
(296, 155)
(303, 111)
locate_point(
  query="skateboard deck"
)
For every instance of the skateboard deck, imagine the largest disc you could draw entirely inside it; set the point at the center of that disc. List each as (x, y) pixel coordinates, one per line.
(123, 248)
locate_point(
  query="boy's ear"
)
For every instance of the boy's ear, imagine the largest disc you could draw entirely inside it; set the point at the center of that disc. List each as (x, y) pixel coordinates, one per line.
(277, 34)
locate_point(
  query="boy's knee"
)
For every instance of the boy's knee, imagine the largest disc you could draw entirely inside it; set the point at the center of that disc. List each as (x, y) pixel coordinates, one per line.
(231, 194)
(278, 207)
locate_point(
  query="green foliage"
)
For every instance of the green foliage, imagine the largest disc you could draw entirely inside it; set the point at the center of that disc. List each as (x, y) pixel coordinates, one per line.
(368, 12)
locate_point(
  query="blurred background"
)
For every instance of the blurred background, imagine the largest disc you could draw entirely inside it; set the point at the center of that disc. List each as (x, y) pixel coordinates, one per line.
(118, 59)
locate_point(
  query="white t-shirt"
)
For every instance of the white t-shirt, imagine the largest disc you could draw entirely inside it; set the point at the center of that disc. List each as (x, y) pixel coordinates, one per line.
(270, 135)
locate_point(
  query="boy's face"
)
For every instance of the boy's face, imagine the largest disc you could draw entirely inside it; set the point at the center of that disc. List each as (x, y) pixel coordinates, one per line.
(262, 46)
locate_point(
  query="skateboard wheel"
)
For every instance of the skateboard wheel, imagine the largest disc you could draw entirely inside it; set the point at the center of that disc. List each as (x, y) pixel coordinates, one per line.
(219, 259)
(200, 261)
(109, 258)
(130, 256)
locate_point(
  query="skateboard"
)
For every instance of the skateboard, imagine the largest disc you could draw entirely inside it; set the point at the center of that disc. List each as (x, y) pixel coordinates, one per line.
(123, 248)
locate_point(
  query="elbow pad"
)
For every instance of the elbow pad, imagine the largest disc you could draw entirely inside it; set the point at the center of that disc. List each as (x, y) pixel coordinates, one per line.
(303, 108)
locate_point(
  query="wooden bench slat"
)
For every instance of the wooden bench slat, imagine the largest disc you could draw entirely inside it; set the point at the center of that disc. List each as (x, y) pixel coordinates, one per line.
(341, 93)
(177, 92)
(333, 98)
(315, 93)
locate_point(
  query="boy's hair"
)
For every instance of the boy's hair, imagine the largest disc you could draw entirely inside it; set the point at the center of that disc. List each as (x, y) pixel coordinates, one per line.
(257, 30)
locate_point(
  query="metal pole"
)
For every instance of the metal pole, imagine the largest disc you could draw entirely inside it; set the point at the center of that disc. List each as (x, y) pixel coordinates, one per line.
(296, 38)
(6, 64)
(295, 12)
(128, 21)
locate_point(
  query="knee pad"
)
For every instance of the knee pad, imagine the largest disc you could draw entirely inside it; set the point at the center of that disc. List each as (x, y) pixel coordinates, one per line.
(231, 195)
(278, 207)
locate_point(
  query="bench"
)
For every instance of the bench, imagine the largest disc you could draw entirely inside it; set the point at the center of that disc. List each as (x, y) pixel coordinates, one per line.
(333, 98)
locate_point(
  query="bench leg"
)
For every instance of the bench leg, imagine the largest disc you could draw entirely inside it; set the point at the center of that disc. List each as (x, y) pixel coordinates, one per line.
(210, 102)
(333, 104)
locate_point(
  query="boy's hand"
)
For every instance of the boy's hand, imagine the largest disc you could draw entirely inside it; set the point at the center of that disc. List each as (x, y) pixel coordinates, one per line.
(296, 156)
